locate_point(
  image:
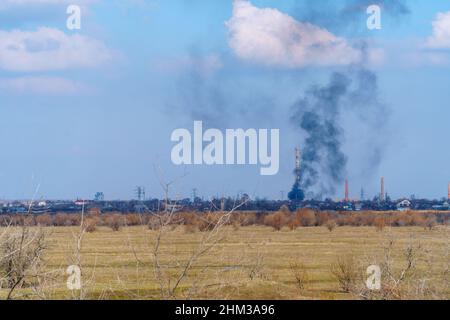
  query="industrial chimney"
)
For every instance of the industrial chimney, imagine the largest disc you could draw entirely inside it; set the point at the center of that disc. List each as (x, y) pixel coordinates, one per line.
(448, 194)
(296, 193)
(382, 189)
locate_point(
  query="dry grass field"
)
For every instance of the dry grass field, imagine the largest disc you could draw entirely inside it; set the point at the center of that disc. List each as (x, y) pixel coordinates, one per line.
(252, 262)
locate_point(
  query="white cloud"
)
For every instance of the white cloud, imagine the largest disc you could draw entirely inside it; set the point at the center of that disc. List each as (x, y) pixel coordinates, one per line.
(41, 85)
(440, 38)
(270, 37)
(49, 49)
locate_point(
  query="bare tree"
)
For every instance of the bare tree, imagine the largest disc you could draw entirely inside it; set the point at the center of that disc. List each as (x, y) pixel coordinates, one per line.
(169, 282)
(21, 256)
(171, 271)
(76, 258)
(166, 185)
(402, 278)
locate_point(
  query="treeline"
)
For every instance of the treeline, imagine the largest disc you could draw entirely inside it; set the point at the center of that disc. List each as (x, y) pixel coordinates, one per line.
(330, 219)
(200, 221)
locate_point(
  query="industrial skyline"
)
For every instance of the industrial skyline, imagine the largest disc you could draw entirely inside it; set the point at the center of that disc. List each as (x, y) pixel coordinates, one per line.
(140, 191)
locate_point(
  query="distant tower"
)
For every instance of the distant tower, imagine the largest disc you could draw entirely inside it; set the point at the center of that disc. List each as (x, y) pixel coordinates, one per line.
(194, 194)
(140, 193)
(382, 189)
(361, 198)
(346, 191)
(448, 194)
(297, 165)
(296, 194)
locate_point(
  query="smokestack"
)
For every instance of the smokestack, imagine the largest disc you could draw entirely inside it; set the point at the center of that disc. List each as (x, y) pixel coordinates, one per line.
(382, 189)
(448, 194)
(346, 190)
(296, 193)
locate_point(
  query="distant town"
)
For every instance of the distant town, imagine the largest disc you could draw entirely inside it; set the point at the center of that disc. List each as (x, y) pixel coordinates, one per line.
(244, 202)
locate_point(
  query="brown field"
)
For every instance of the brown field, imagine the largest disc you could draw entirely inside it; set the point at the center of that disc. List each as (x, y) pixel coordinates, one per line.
(252, 262)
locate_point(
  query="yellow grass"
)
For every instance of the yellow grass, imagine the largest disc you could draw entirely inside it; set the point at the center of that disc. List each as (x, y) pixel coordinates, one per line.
(249, 263)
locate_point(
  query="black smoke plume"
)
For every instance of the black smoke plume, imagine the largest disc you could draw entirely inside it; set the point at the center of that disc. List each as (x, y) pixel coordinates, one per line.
(318, 115)
(296, 193)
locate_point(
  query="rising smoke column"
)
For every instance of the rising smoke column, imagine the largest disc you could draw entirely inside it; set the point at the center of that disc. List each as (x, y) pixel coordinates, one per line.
(354, 90)
(318, 115)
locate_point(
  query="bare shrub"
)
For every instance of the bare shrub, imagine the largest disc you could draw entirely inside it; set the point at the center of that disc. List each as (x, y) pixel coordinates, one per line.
(187, 217)
(207, 222)
(276, 220)
(284, 209)
(61, 220)
(323, 218)
(17, 220)
(114, 221)
(74, 219)
(44, 220)
(66, 219)
(400, 279)
(430, 222)
(306, 217)
(345, 270)
(379, 223)
(292, 223)
(90, 224)
(402, 219)
(331, 225)
(21, 259)
(153, 223)
(133, 219)
(5, 220)
(29, 220)
(244, 219)
(300, 275)
(418, 220)
(247, 219)
(256, 266)
(343, 220)
(393, 287)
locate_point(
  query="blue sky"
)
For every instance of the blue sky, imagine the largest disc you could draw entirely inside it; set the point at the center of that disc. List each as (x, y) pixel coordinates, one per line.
(93, 109)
